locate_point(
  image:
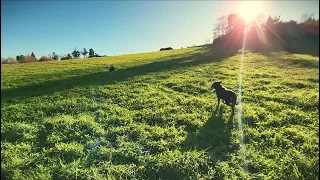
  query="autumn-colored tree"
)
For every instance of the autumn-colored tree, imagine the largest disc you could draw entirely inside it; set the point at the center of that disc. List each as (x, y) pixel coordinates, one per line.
(45, 58)
(28, 59)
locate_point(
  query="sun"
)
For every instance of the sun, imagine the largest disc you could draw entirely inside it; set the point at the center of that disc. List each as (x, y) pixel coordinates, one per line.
(249, 10)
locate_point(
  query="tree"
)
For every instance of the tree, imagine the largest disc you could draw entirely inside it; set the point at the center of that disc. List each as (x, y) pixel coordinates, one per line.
(91, 53)
(75, 53)
(271, 20)
(232, 18)
(310, 21)
(19, 58)
(11, 60)
(54, 56)
(277, 19)
(306, 16)
(69, 56)
(28, 59)
(45, 58)
(32, 54)
(220, 28)
(84, 52)
(3, 60)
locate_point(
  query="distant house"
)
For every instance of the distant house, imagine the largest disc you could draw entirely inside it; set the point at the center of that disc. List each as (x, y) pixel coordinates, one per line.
(164, 49)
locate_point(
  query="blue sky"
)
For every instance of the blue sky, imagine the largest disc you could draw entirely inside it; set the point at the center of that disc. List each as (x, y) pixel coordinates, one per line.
(120, 27)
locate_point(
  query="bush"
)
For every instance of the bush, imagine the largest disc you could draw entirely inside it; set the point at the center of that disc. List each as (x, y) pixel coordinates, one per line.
(28, 59)
(164, 49)
(64, 58)
(9, 60)
(45, 58)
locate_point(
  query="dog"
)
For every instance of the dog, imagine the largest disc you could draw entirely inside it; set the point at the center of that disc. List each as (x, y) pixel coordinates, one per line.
(229, 97)
(111, 69)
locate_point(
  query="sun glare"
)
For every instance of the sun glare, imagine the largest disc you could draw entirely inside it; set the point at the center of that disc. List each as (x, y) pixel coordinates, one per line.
(249, 10)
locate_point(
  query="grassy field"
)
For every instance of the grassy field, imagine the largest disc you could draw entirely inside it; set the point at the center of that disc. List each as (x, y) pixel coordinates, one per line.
(156, 118)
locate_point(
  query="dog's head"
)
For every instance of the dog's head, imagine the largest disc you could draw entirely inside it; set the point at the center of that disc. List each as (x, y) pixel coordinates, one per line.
(216, 85)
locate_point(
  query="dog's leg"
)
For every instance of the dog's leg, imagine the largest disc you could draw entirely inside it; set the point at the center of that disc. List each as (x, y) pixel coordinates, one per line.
(218, 102)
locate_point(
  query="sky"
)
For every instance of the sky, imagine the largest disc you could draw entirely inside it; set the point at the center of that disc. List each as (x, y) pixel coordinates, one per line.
(120, 27)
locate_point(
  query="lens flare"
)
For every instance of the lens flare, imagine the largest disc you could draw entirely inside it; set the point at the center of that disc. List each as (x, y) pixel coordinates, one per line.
(242, 146)
(249, 10)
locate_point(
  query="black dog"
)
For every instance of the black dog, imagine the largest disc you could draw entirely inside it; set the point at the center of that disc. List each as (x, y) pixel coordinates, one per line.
(229, 97)
(111, 69)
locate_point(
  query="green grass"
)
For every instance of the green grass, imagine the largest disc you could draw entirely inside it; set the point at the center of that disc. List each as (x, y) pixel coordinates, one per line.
(157, 119)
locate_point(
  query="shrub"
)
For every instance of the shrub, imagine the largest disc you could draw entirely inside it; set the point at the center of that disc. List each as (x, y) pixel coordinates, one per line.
(45, 58)
(64, 58)
(28, 59)
(3, 60)
(164, 49)
(9, 60)
(19, 58)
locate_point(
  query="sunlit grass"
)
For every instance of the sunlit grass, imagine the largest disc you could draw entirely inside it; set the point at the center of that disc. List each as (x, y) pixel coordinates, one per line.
(156, 118)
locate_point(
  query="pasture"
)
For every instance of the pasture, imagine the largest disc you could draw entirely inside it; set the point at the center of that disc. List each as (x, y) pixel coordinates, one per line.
(155, 117)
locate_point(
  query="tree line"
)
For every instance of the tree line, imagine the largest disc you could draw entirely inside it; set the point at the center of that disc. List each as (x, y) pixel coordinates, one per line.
(224, 24)
(229, 30)
(75, 54)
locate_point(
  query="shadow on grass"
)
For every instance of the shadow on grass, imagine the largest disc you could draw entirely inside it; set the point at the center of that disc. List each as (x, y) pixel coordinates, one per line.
(305, 63)
(309, 48)
(293, 48)
(214, 136)
(104, 78)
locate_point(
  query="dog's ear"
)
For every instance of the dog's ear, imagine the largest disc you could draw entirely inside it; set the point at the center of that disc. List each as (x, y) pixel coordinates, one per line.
(219, 82)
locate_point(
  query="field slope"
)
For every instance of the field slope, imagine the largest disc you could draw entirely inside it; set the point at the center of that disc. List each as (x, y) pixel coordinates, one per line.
(155, 117)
